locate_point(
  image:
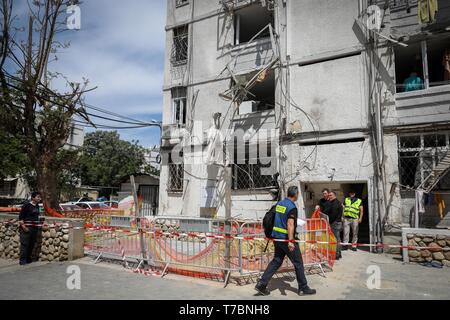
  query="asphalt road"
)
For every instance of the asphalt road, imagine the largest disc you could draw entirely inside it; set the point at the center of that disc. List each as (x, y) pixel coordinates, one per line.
(349, 280)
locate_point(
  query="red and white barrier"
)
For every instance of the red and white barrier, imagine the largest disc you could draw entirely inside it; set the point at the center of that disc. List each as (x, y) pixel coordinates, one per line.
(247, 238)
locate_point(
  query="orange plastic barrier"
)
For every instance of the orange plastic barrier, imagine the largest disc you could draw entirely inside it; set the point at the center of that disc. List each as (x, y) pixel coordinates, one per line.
(9, 210)
(327, 248)
(52, 213)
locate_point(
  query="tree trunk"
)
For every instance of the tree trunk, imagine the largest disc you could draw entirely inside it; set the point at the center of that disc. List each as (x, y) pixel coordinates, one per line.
(47, 183)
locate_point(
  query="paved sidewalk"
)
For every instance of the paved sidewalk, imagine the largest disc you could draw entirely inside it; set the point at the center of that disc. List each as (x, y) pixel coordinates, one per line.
(111, 281)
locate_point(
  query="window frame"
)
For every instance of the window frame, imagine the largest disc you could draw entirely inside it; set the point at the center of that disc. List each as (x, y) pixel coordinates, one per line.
(182, 100)
(425, 67)
(251, 168)
(174, 181)
(237, 28)
(175, 60)
(258, 110)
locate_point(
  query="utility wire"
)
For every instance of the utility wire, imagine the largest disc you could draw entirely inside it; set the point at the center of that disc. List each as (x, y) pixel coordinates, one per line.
(120, 121)
(137, 123)
(121, 118)
(119, 115)
(105, 126)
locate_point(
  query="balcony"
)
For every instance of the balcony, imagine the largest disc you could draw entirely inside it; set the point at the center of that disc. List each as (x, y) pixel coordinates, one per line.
(404, 16)
(423, 106)
(253, 47)
(253, 56)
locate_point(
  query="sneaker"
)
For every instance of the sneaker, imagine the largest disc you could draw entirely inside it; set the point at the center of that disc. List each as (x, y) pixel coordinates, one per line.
(262, 289)
(354, 249)
(306, 291)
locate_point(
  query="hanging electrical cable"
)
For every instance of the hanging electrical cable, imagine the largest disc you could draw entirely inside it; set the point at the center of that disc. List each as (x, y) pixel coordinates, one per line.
(89, 106)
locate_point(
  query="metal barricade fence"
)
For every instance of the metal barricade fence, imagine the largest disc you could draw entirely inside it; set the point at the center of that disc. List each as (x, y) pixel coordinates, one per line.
(194, 246)
(113, 237)
(316, 244)
(255, 255)
(199, 247)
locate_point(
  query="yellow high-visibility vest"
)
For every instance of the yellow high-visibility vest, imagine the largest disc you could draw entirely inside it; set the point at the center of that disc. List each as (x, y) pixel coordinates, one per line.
(351, 210)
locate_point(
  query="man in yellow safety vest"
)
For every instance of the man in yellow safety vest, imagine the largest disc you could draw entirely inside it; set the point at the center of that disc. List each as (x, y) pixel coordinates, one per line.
(353, 215)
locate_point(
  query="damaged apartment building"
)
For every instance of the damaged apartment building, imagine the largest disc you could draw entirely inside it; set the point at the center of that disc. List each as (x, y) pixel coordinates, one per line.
(357, 92)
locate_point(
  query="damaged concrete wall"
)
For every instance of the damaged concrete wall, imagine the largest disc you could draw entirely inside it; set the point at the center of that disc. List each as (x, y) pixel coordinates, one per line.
(211, 48)
(328, 78)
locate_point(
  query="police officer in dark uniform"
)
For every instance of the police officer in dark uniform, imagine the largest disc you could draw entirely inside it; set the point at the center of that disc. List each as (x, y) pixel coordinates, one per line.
(284, 227)
(28, 230)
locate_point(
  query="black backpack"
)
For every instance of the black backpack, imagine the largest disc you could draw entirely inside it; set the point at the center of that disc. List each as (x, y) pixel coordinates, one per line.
(268, 222)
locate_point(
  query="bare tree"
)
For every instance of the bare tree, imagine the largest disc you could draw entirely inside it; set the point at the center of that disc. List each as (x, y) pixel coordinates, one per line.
(30, 108)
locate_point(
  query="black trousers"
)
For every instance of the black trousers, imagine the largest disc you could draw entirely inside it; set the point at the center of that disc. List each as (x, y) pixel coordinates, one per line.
(336, 227)
(282, 250)
(27, 243)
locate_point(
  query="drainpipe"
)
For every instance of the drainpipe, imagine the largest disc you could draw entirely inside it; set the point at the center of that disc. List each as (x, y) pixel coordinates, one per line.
(377, 131)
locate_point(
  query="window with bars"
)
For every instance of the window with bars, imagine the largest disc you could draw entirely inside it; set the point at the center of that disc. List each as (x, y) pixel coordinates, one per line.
(180, 45)
(419, 154)
(248, 171)
(179, 105)
(176, 175)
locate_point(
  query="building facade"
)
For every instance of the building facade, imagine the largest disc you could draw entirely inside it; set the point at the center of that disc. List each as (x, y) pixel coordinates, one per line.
(320, 84)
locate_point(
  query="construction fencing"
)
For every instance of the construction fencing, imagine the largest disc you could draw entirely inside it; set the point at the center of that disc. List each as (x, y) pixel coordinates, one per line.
(207, 248)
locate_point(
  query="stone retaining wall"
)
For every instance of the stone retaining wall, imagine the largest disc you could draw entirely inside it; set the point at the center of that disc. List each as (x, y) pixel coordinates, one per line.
(58, 239)
(437, 240)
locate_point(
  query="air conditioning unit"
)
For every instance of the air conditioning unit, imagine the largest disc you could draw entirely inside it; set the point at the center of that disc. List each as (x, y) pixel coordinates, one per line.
(171, 133)
(248, 106)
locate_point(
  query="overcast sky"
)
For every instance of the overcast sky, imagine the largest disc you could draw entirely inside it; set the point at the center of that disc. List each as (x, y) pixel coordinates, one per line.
(120, 49)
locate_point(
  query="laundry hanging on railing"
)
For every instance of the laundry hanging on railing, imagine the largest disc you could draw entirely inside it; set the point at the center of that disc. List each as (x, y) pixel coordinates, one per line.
(440, 204)
(427, 11)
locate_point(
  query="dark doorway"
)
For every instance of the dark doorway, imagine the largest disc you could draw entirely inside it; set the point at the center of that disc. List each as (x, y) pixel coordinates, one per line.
(150, 197)
(361, 192)
(312, 192)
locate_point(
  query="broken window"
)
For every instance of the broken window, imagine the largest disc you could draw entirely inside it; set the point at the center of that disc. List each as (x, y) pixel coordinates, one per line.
(261, 95)
(176, 174)
(248, 168)
(179, 105)
(250, 20)
(180, 45)
(419, 155)
(409, 68)
(423, 65)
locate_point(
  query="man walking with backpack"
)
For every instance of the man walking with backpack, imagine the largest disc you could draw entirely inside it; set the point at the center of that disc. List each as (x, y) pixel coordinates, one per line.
(284, 226)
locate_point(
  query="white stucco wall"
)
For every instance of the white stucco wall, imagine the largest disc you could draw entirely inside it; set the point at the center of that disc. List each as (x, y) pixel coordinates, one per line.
(321, 26)
(332, 93)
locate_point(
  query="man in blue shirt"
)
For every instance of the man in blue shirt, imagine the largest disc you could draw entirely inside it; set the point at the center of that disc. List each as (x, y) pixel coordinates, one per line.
(413, 83)
(28, 230)
(285, 223)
